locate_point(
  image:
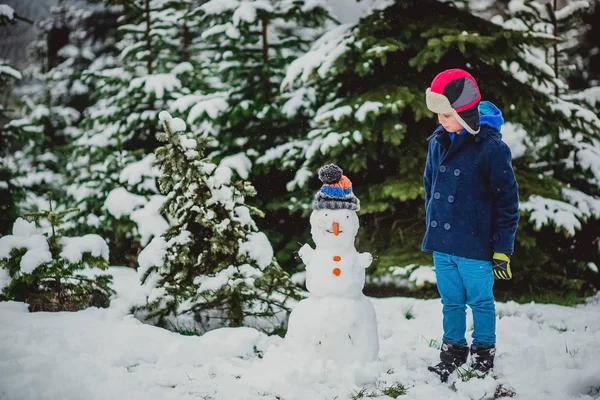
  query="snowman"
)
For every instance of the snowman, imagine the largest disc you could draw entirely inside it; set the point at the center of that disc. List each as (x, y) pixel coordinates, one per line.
(337, 321)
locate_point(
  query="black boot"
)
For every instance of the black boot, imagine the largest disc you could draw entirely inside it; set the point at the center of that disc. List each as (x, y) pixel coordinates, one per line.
(451, 356)
(482, 358)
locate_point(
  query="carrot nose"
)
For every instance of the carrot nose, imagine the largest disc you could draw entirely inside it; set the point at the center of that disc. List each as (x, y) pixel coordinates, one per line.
(336, 228)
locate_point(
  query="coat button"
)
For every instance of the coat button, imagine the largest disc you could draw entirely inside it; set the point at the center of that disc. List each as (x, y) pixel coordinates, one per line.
(442, 168)
(447, 226)
(450, 199)
(437, 195)
(433, 224)
(456, 172)
(496, 237)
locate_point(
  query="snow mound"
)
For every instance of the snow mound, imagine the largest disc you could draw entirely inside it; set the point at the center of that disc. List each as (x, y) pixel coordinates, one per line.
(106, 353)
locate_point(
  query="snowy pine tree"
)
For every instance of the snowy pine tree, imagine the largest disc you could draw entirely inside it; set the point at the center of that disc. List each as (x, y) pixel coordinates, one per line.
(374, 123)
(590, 49)
(249, 43)
(52, 272)
(112, 179)
(246, 45)
(37, 162)
(572, 151)
(563, 23)
(70, 39)
(10, 193)
(212, 264)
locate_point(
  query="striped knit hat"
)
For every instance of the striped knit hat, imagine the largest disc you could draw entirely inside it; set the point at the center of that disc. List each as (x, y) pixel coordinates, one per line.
(455, 91)
(336, 192)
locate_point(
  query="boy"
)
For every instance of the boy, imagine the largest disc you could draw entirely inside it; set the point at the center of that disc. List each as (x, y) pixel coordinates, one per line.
(471, 204)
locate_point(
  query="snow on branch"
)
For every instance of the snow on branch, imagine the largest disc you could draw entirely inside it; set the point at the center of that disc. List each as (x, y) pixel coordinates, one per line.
(307, 5)
(8, 15)
(6, 69)
(26, 236)
(301, 98)
(258, 248)
(335, 114)
(240, 163)
(212, 106)
(530, 7)
(7, 12)
(588, 205)
(590, 96)
(588, 156)
(142, 173)
(144, 212)
(75, 247)
(543, 211)
(175, 124)
(572, 110)
(321, 57)
(516, 138)
(291, 149)
(572, 7)
(216, 7)
(157, 84)
(246, 12)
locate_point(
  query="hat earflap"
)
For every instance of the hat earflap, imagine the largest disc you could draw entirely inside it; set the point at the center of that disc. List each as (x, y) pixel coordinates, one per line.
(439, 104)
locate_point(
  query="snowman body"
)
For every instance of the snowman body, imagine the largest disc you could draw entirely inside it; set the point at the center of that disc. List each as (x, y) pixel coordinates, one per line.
(335, 272)
(338, 321)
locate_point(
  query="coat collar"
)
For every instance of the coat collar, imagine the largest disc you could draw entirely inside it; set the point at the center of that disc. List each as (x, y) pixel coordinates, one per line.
(441, 135)
(484, 132)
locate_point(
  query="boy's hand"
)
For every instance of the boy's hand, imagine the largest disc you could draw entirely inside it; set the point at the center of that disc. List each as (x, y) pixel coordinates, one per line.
(501, 266)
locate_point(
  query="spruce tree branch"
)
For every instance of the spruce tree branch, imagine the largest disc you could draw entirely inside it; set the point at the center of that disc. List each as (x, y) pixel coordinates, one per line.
(167, 128)
(134, 4)
(23, 19)
(79, 278)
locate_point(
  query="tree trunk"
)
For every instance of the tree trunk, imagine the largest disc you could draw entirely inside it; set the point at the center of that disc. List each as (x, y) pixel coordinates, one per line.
(265, 54)
(148, 43)
(186, 41)
(554, 6)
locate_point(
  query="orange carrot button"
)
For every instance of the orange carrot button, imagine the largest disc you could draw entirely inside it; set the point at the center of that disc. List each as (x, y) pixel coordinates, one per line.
(337, 258)
(337, 271)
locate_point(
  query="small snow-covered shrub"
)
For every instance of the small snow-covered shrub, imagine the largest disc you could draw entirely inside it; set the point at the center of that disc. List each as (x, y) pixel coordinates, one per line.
(213, 267)
(52, 272)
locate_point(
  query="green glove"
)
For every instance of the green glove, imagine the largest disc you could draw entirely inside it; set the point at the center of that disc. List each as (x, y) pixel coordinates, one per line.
(501, 266)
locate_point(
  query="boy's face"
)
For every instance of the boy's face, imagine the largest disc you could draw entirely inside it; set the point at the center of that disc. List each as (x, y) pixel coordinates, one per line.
(449, 123)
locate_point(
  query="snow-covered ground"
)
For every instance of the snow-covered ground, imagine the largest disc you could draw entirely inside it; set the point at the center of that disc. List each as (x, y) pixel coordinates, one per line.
(544, 352)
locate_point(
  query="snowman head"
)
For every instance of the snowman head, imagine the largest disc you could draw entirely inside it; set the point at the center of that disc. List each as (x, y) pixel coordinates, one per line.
(334, 221)
(334, 228)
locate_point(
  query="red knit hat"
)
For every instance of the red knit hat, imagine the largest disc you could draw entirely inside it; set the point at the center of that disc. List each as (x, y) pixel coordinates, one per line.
(455, 91)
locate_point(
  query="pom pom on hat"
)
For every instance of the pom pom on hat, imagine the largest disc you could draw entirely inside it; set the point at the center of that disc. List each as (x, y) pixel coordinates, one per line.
(336, 192)
(330, 174)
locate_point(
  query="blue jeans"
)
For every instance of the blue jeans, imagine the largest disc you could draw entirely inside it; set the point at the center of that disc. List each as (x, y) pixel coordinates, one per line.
(461, 282)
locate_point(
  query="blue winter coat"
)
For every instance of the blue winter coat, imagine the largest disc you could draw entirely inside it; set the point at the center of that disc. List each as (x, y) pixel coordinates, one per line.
(471, 197)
